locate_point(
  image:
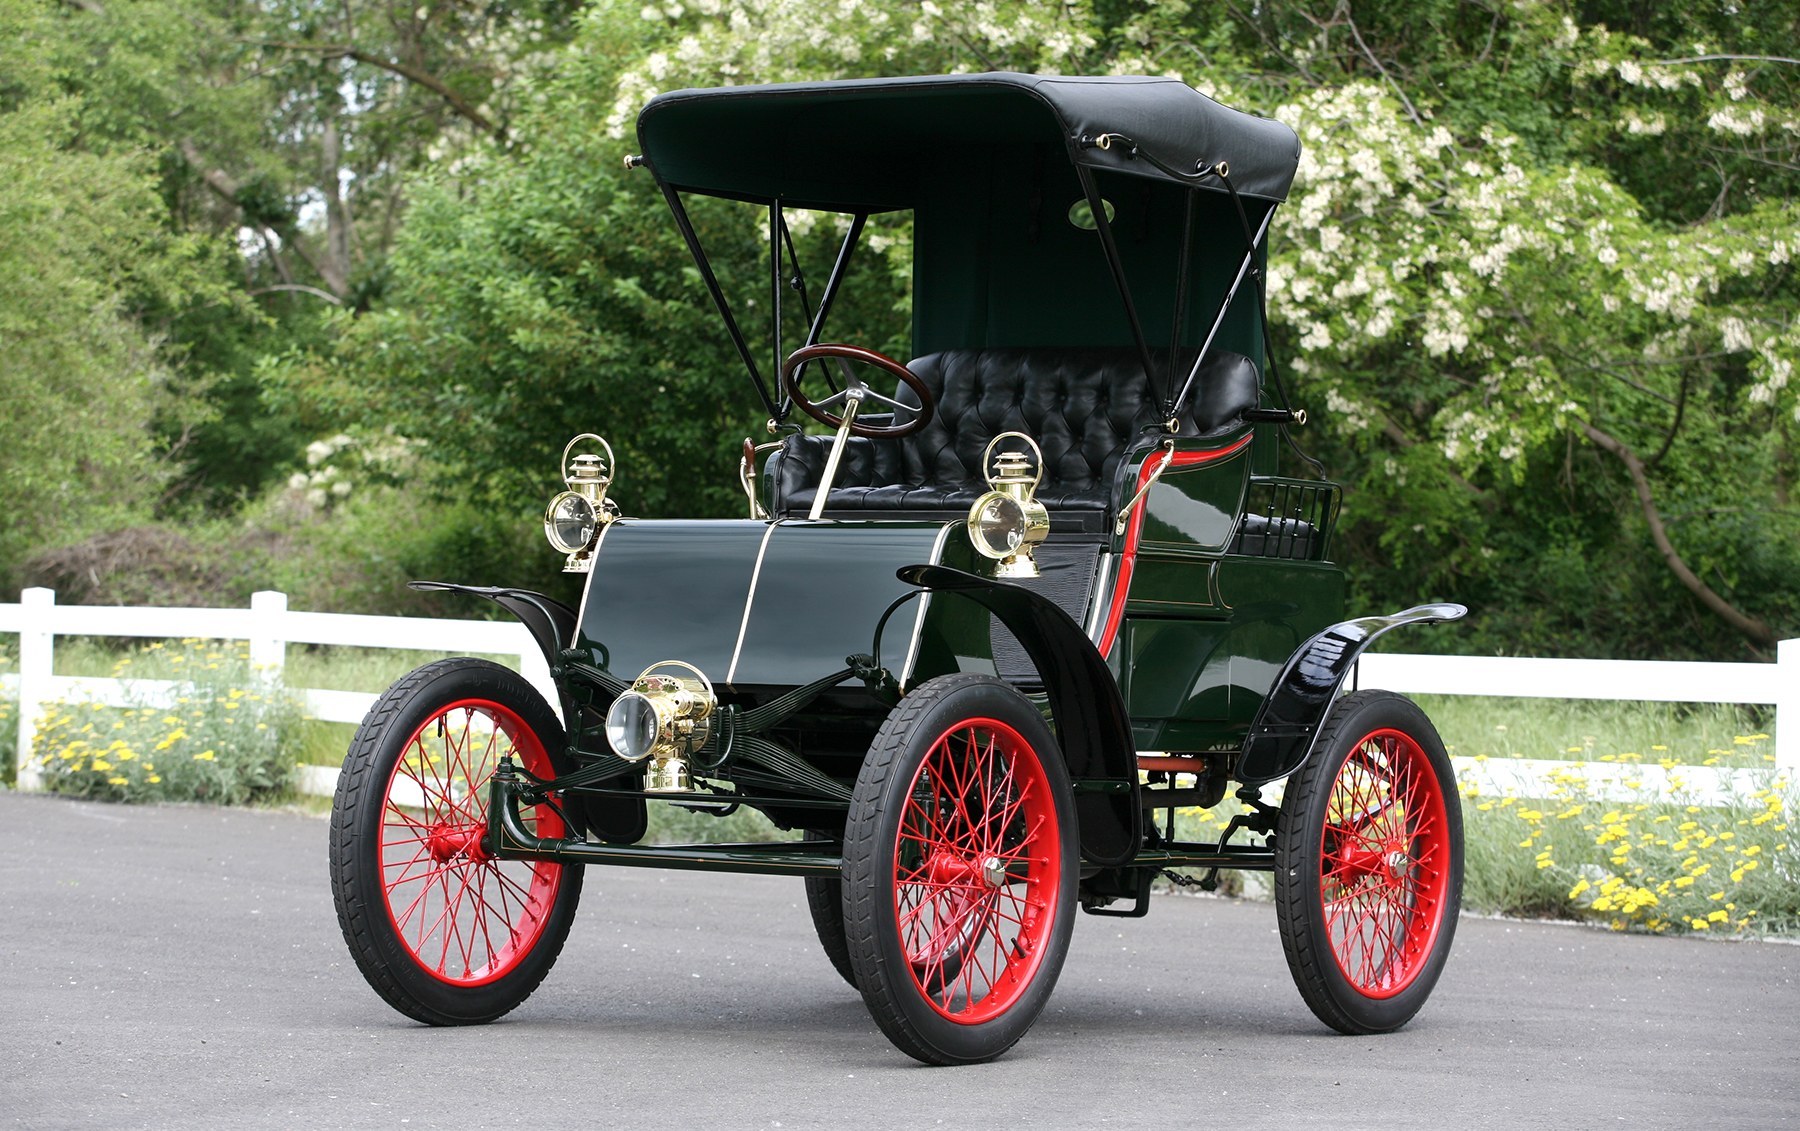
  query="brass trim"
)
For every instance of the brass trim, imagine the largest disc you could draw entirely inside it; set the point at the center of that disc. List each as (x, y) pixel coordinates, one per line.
(747, 475)
(852, 404)
(1124, 519)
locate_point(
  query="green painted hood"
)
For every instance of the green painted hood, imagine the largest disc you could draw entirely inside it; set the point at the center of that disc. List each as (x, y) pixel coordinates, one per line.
(748, 603)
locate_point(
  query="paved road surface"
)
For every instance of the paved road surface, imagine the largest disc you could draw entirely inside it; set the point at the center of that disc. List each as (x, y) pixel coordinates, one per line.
(182, 967)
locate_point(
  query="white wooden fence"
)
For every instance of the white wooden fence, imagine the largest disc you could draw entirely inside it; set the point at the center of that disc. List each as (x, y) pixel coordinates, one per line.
(270, 626)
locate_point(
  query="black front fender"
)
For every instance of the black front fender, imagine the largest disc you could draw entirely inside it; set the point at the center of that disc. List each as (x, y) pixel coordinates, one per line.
(1281, 737)
(551, 623)
(1086, 708)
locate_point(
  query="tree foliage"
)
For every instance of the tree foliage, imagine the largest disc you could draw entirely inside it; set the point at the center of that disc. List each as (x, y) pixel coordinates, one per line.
(1535, 281)
(81, 245)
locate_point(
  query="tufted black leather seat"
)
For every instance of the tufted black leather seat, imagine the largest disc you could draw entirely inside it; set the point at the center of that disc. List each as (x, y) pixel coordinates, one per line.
(1084, 407)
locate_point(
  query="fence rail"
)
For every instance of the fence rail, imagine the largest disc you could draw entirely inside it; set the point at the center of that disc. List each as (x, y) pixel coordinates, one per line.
(270, 626)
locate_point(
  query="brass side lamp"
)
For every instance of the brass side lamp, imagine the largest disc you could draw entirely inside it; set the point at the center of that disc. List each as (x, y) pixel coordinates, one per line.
(575, 516)
(1007, 521)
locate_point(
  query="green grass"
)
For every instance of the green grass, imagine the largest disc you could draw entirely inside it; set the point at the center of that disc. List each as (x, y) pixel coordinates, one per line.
(1658, 863)
(1602, 730)
(363, 669)
(351, 669)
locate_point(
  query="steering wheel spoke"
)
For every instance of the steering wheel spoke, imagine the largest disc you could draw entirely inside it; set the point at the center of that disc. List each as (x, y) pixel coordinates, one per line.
(857, 391)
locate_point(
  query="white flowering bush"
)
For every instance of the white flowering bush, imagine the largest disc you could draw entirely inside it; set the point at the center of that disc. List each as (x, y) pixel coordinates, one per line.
(337, 465)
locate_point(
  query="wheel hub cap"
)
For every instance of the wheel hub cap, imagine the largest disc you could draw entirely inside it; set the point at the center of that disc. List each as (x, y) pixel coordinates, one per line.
(447, 842)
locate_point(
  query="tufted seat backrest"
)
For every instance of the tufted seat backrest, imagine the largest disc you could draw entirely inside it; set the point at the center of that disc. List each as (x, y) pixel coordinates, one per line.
(1084, 407)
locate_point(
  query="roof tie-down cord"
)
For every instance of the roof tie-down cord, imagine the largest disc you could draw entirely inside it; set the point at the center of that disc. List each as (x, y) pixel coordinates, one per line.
(1222, 170)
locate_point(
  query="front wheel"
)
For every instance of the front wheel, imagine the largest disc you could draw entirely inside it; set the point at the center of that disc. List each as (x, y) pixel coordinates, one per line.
(442, 929)
(960, 866)
(1369, 864)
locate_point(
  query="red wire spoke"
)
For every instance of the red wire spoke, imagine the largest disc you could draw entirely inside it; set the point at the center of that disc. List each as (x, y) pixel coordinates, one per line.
(1384, 839)
(464, 904)
(978, 797)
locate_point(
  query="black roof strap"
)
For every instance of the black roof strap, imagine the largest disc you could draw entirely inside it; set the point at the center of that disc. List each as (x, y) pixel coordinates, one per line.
(816, 319)
(1104, 227)
(711, 280)
(1223, 172)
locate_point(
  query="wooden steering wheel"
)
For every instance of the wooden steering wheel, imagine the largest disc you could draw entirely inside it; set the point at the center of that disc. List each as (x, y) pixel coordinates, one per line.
(856, 391)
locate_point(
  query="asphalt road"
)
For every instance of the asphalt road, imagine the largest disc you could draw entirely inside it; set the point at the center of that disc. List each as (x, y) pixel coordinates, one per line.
(182, 967)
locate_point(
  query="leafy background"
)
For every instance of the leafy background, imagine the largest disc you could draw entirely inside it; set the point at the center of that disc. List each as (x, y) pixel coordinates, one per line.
(309, 295)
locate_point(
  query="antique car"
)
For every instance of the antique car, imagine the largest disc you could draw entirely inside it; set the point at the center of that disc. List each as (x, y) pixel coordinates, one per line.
(983, 638)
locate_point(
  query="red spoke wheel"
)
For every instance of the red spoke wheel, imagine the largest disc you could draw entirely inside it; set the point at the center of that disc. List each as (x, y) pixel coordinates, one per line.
(960, 868)
(1369, 864)
(443, 930)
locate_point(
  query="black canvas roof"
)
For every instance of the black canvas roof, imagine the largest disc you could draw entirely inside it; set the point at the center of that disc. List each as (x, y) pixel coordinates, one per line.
(876, 144)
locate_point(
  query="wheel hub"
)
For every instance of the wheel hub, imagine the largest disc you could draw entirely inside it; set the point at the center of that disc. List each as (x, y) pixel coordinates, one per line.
(448, 841)
(1398, 863)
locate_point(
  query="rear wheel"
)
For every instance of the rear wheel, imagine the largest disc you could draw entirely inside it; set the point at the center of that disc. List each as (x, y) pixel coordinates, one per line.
(443, 930)
(960, 870)
(825, 902)
(1369, 865)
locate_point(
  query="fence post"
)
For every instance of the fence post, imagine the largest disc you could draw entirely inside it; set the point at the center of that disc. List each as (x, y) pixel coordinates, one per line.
(1787, 706)
(268, 643)
(37, 663)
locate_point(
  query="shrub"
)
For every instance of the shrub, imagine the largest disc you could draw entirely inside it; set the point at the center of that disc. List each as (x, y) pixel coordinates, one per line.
(221, 735)
(171, 566)
(1661, 863)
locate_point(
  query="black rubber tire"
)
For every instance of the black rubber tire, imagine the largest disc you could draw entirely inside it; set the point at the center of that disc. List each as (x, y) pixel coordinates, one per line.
(825, 900)
(358, 814)
(912, 1007)
(1398, 863)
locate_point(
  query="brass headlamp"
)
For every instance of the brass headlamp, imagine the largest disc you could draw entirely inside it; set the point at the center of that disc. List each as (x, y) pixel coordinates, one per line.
(575, 516)
(666, 717)
(1006, 522)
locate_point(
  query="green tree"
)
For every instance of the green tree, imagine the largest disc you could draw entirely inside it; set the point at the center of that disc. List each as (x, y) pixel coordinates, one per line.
(81, 243)
(1534, 282)
(285, 136)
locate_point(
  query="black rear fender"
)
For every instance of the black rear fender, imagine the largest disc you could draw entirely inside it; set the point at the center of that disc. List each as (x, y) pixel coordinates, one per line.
(1281, 737)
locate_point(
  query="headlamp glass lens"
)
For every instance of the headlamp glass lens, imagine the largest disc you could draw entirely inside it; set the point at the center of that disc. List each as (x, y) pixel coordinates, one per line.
(998, 526)
(570, 522)
(631, 726)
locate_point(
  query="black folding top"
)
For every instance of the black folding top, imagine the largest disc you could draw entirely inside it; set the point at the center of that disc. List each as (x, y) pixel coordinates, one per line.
(879, 144)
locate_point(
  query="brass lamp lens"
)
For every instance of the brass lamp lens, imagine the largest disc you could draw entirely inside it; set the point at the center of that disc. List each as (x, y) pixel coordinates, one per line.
(632, 726)
(570, 522)
(997, 525)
